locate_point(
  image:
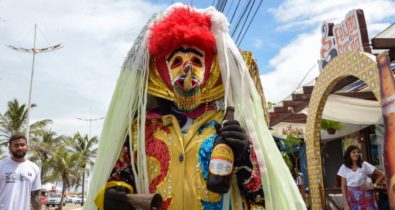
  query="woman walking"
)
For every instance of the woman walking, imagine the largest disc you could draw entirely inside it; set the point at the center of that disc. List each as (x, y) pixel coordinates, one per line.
(357, 190)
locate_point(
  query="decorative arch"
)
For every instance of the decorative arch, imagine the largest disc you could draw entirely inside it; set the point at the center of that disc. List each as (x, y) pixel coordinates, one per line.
(358, 64)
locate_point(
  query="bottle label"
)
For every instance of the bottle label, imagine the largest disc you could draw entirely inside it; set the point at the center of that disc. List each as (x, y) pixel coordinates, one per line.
(221, 162)
(389, 105)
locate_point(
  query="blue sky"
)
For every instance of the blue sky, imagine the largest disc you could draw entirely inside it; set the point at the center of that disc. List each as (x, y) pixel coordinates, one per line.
(79, 79)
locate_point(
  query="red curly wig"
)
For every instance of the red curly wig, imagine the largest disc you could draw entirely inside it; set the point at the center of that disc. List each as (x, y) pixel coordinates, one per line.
(182, 26)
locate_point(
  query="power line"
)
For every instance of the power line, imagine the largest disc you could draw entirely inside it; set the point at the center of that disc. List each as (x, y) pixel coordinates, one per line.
(219, 4)
(223, 5)
(241, 18)
(306, 75)
(249, 24)
(230, 7)
(234, 13)
(245, 21)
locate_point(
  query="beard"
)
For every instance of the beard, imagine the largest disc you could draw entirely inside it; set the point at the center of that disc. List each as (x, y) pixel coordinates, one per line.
(18, 154)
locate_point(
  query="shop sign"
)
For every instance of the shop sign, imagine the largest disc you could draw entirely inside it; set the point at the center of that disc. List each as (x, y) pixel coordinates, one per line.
(349, 35)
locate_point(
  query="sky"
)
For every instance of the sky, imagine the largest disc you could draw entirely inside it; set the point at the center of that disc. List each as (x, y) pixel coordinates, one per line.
(78, 80)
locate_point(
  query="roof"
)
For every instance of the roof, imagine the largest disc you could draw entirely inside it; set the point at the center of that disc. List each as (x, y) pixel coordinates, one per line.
(385, 39)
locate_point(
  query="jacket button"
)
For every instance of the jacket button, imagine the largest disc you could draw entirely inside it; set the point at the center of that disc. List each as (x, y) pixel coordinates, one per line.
(181, 158)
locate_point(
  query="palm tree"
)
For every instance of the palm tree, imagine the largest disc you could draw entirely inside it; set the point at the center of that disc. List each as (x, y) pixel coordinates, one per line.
(14, 121)
(64, 167)
(42, 145)
(86, 149)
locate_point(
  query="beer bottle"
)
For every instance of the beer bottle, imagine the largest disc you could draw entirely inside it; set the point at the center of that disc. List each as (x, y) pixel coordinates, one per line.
(221, 161)
(387, 91)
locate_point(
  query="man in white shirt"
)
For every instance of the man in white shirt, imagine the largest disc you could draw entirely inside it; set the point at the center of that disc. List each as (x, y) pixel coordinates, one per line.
(19, 178)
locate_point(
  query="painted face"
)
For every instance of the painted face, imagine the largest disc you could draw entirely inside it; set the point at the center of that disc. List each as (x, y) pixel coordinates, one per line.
(18, 148)
(186, 69)
(355, 154)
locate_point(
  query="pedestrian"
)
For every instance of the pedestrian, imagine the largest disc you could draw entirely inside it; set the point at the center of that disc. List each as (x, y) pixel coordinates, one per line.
(356, 188)
(298, 177)
(19, 178)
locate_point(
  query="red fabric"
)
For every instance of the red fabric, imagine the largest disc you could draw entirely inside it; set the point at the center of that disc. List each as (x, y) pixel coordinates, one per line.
(166, 204)
(253, 184)
(182, 26)
(199, 111)
(157, 149)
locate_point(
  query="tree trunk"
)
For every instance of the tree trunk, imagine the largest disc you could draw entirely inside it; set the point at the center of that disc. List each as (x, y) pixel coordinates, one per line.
(62, 198)
(83, 186)
(296, 158)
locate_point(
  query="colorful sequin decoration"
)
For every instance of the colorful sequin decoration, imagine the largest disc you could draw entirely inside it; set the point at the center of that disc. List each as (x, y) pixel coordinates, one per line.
(206, 148)
(210, 124)
(212, 205)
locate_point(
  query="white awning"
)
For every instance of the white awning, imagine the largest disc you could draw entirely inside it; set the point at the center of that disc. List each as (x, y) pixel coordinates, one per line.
(352, 110)
(354, 114)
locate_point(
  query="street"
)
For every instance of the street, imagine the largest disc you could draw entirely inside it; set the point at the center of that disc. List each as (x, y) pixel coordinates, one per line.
(68, 206)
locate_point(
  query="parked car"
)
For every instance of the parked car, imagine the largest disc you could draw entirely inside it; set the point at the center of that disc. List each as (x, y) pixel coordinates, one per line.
(69, 199)
(53, 199)
(76, 199)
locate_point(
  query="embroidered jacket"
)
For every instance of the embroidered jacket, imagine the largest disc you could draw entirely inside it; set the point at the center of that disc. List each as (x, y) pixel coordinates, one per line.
(178, 163)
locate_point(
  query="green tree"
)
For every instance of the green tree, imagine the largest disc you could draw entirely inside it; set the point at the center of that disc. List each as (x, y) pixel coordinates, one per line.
(293, 141)
(64, 167)
(270, 104)
(86, 149)
(14, 121)
(42, 145)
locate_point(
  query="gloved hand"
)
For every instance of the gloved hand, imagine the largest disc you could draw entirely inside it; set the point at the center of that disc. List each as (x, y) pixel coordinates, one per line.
(235, 137)
(115, 199)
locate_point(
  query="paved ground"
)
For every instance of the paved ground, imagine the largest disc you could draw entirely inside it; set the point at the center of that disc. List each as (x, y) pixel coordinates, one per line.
(68, 206)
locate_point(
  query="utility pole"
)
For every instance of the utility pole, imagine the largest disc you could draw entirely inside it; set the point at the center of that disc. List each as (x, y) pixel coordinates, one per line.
(33, 51)
(90, 119)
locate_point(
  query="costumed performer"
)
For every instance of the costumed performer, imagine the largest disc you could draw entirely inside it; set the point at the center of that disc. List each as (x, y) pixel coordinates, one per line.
(159, 132)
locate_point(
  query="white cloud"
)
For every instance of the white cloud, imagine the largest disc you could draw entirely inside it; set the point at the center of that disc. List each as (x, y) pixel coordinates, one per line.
(307, 13)
(290, 65)
(258, 43)
(80, 78)
(294, 60)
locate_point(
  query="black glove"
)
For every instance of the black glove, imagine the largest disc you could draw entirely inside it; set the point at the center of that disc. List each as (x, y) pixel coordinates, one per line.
(115, 199)
(234, 136)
